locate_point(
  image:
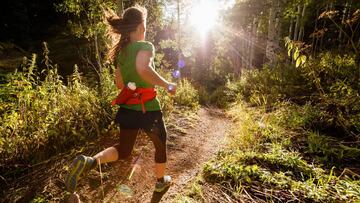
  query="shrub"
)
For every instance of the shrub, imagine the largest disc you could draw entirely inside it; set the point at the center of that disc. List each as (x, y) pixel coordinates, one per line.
(330, 81)
(204, 96)
(166, 101)
(186, 94)
(45, 117)
(338, 85)
(274, 84)
(225, 95)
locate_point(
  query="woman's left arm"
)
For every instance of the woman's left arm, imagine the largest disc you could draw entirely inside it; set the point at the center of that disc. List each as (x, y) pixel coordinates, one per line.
(118, 79)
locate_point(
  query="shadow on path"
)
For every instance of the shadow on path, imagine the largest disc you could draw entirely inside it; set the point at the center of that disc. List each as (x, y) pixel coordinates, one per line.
(156, 196)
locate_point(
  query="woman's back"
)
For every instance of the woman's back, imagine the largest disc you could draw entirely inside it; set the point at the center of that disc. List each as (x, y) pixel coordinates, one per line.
(127, 63)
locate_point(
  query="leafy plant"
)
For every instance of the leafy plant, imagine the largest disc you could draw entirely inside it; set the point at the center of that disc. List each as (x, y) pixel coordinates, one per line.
(186, 95)
(42, 117)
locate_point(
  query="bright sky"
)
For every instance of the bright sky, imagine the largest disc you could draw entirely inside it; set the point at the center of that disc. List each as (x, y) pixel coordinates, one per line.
(203, 14)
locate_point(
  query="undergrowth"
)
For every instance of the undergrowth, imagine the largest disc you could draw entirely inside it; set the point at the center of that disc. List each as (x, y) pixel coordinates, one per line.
(330, 82)
(262, 164)
(40, 116)
(295, 136)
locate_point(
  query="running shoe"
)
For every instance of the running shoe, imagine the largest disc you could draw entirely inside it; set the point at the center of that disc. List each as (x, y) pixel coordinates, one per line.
(160, 186)
(80, 164)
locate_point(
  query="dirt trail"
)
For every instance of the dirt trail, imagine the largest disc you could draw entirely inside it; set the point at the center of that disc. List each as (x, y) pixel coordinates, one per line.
(186, 153)
(192, 140)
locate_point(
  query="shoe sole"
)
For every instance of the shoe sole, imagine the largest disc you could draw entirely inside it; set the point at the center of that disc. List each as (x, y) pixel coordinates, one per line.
(72, 178)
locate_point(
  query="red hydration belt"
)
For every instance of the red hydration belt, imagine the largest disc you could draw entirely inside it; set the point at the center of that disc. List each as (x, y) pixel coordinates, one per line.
(137, 96)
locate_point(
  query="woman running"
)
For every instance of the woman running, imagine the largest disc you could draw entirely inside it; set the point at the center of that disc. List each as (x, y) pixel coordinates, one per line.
(139, 108)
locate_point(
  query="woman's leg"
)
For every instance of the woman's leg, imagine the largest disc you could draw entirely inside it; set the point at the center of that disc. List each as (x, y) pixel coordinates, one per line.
(82, 163)
(107, 155)
(160, 170)
(158, 137)
(157, 134)
(122, 150)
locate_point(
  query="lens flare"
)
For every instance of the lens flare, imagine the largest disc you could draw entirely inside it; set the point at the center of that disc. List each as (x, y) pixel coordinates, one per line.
(176, 74)
(181, 63)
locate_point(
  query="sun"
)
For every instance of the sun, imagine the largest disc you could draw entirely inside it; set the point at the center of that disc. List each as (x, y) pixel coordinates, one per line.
(204, 15)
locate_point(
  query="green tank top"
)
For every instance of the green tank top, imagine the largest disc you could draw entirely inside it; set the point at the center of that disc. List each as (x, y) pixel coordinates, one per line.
(127, 63)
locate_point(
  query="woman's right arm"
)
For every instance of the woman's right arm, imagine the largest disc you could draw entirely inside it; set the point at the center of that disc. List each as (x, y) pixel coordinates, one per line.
(146, 72)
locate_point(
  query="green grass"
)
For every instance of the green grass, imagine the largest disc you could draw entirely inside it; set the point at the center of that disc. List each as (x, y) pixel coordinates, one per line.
(263, 161)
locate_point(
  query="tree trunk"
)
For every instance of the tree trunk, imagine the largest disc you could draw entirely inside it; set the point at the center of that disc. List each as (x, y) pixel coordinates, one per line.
(270, 46)
(239, 64)
(323, 27)
(302, 29)
(236, 49)
(340, 37)
(297, 24)
(98, 60)
(315, 39)
(246, 48)
(253, 41)
(278, 27)
(242, 48)
(291, 28)
(273, 35)
(120, 7)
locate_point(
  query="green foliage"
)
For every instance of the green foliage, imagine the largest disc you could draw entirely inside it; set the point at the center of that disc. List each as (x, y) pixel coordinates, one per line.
(166, 101)
(42, 117)
(330, 81)
(262, 163)
(224, 96)
(38, 200)
(337, 78)
(108, 88)
(294, 52)
(216, 81)
(330, 150)
(273, 84)
(295, 116)
(88, 16)
(204, 96)
(186, 94)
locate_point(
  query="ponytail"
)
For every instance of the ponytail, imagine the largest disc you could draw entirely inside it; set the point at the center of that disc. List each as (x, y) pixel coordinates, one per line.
(121, 27)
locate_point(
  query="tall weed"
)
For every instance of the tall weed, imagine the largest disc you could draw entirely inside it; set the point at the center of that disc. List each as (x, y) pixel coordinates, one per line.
(45, 117)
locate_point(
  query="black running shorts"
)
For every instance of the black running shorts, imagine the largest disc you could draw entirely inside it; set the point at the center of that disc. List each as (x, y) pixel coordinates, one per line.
(131, 121)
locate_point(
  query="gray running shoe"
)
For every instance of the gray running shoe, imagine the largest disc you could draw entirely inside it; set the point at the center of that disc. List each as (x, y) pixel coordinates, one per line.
(80, 164)
(161, 186)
